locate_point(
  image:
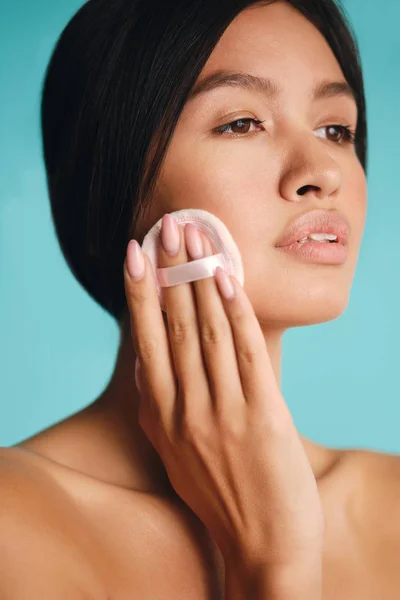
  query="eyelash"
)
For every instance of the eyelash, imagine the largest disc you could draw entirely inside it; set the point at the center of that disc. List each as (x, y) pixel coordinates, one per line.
(349, 134)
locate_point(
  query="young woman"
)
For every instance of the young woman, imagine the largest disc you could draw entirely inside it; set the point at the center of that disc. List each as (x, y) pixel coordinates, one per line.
(197, 485)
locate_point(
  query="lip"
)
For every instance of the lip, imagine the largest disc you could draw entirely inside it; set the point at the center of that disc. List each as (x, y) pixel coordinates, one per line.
(326, 253)
(317, 221)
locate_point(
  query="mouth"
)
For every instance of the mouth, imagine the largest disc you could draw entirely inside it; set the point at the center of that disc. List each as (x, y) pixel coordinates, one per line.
(317, 226)
(327, 252)
(308, 241)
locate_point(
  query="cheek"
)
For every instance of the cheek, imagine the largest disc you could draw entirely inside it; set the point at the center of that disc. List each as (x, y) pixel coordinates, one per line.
(220, 169)
(355, 204)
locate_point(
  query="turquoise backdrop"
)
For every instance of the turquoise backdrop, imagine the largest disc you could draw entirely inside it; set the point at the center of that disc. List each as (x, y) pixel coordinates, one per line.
(57, 347)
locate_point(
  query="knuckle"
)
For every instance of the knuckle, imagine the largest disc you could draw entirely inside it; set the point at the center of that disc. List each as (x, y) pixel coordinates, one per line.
(239, 315)
(232, 428)
(194, 429)
(213, 332)
(247, 354)
(180, 330)
(282, 425)
(146, 348)
(277, 425)
(138, 296)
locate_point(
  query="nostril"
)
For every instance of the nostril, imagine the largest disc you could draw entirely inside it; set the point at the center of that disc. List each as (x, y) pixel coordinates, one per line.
(301, 191)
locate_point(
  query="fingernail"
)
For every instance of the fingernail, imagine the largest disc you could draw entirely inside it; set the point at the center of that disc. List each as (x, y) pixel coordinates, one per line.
(208, 251)
(170, 235)
(193, 241)
(135, 260)
(224, 284)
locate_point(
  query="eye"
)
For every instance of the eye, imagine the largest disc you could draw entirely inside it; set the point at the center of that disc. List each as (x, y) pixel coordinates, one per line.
(243, 128)
(345, 133)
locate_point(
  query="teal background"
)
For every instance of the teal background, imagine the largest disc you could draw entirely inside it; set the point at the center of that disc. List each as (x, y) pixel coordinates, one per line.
(57, 347)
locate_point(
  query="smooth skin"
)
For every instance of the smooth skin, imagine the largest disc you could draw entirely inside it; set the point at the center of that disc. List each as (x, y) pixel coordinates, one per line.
(87, 509)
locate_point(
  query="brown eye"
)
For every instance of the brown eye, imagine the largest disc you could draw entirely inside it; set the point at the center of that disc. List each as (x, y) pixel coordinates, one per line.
(334, 132)
(342, 135)
(238, 127)
(241, 125)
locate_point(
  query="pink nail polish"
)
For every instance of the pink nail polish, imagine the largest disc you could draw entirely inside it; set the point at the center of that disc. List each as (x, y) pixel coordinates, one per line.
(135, 260)
(170, 235)
(224, 284)
(193, 241)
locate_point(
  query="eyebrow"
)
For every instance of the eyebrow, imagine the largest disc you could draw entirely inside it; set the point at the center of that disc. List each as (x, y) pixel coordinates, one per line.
(266, 86)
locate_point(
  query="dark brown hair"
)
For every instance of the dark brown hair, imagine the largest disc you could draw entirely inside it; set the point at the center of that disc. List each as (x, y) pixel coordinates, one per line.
(121, 71)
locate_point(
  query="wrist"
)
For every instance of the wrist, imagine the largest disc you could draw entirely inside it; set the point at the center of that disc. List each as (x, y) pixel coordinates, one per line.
(297, 582)
(265, 582)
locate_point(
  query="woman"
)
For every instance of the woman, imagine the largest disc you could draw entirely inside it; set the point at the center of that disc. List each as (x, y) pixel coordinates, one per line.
(102, 504)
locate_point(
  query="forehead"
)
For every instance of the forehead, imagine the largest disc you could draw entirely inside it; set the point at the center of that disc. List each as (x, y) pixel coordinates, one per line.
(274, 40)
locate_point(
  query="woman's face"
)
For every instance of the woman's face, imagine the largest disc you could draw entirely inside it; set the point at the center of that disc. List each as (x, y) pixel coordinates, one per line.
(251, 180)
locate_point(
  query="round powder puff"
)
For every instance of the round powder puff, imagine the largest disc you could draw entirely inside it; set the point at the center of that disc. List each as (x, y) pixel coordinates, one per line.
(228, 255)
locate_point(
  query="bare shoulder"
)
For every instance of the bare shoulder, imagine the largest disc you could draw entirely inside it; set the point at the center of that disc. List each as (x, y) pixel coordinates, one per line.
(42, 553)
(107, 539)
(29, 491)
(376, 512)
(376, 477)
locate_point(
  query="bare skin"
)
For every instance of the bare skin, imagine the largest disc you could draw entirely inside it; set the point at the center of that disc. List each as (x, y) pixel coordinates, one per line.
(90, 494)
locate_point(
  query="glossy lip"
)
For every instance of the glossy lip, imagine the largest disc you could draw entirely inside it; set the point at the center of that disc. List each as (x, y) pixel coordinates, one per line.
(326, 253)
(317, 221)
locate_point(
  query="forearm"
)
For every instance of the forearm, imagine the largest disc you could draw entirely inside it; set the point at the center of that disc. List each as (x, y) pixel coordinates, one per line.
(264, 583)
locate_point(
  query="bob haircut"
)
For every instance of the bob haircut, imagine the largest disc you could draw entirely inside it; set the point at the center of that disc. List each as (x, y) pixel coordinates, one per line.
(113, 91)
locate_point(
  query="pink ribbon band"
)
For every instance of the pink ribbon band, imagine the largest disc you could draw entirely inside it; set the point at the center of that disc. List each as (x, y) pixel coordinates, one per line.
(190, 271)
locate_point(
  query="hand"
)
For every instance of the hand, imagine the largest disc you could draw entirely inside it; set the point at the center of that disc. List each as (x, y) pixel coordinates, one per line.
(212, 408)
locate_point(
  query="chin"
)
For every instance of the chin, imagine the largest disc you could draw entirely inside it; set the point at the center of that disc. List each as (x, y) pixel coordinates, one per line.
(298, 306)
(313, 314)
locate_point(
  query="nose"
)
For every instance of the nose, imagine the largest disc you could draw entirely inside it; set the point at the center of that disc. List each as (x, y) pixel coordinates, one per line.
(312, 173)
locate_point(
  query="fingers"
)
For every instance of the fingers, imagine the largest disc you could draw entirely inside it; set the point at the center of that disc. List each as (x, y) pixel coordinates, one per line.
(150, 338)
(243, 363)
(208, 351)
(259, 384)
(217, 339)
(182, 326)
